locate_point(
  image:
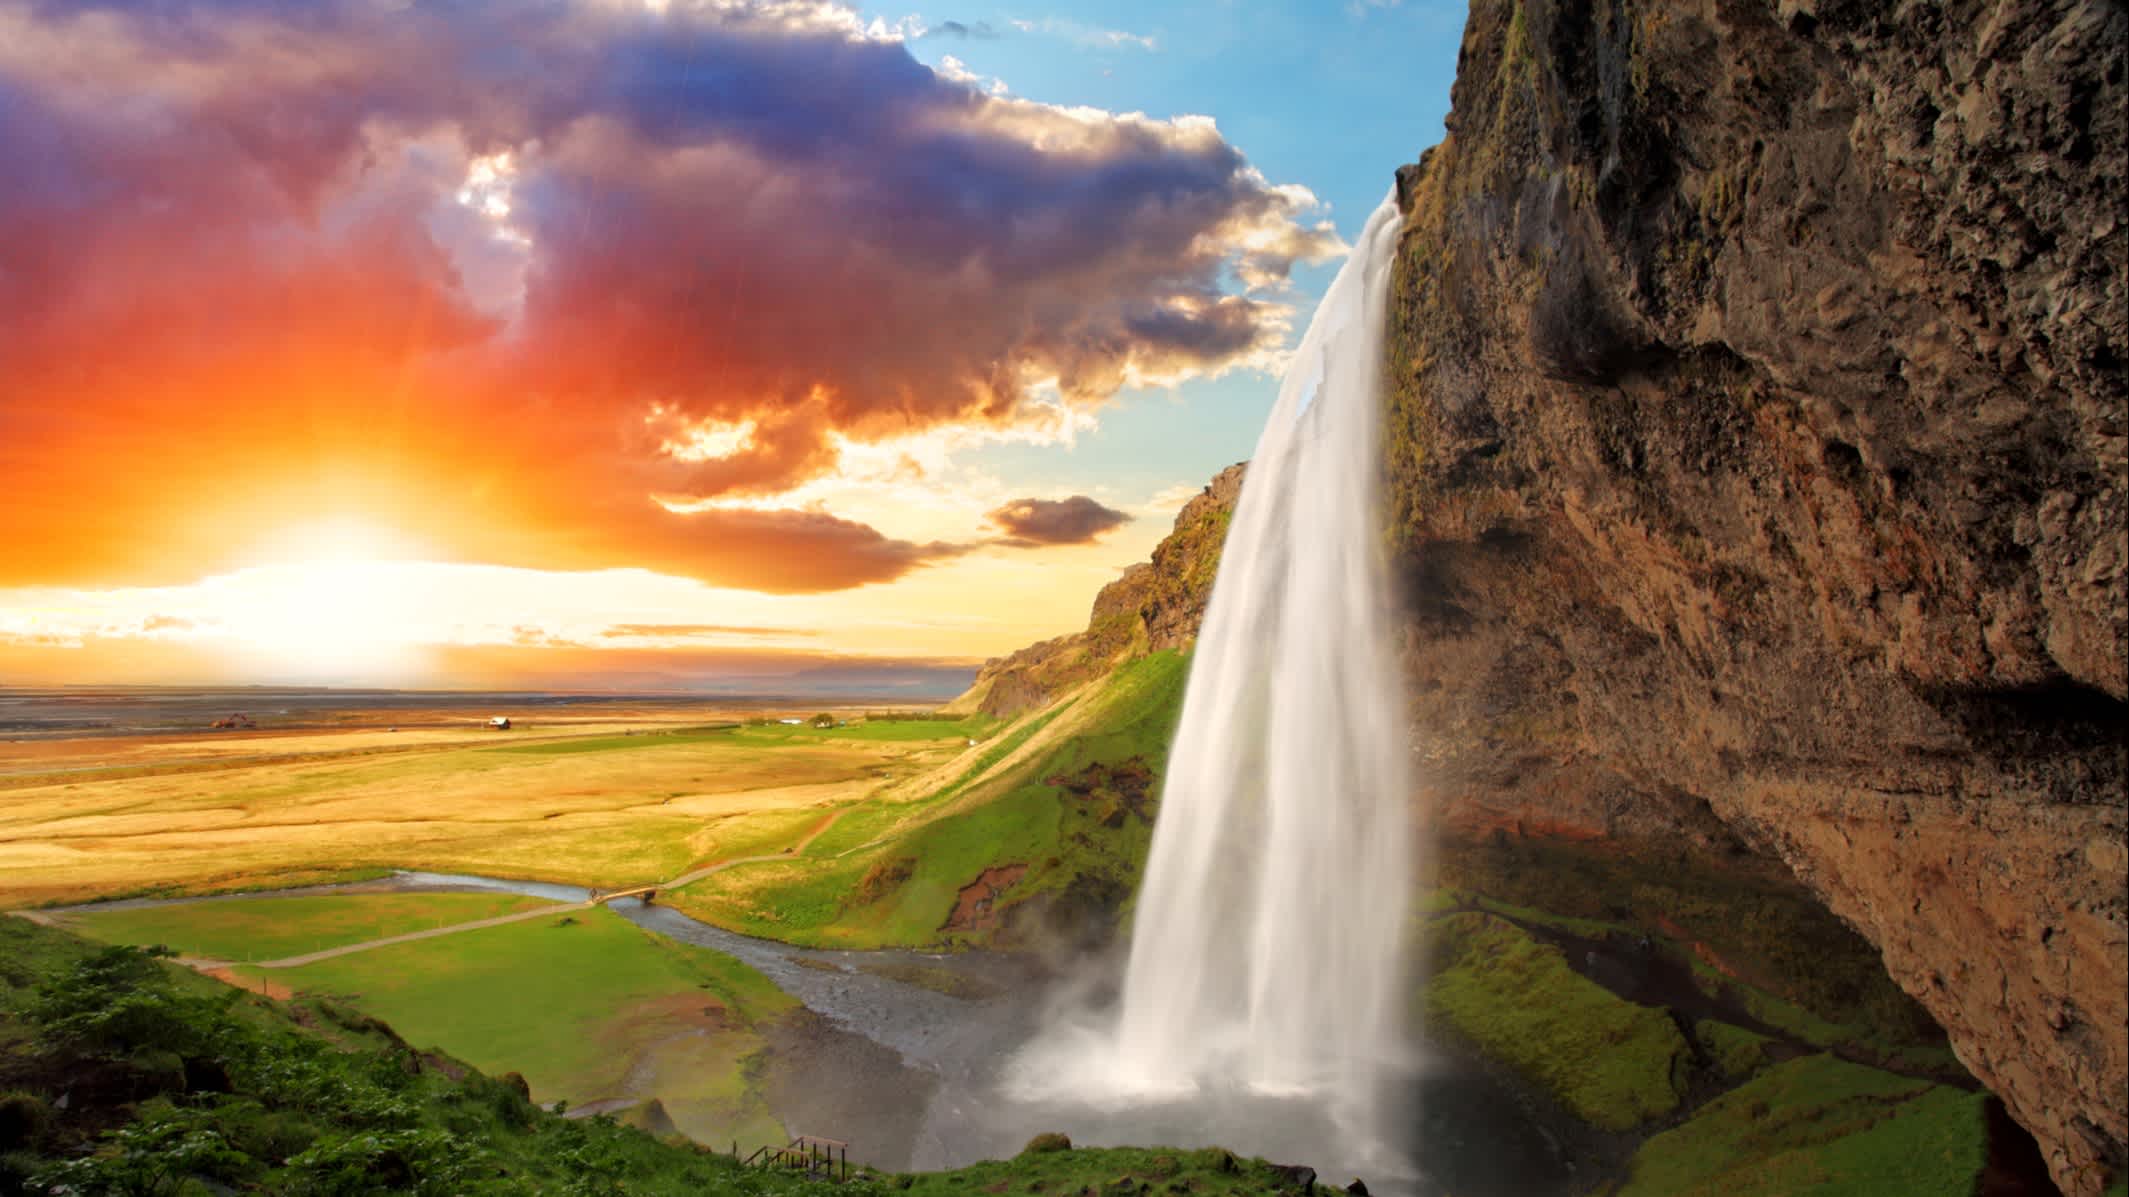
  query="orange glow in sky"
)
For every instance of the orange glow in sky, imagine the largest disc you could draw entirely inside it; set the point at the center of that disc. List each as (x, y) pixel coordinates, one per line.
(675, 344)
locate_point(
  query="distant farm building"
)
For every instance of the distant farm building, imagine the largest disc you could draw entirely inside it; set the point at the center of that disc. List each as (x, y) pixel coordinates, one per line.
(499, 723)
(792, 722)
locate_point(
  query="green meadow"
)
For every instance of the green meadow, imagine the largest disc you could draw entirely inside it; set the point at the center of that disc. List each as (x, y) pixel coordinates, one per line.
(271, 928)
(585, 1005)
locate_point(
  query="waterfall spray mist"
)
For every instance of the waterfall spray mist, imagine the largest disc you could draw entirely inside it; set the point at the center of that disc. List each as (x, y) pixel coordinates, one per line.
(1266, 953)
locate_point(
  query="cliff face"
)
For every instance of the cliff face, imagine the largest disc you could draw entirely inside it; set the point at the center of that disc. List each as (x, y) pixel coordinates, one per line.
(1153, 606)
(1760, 455)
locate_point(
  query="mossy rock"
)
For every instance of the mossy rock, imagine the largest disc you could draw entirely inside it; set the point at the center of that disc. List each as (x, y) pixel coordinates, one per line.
(1735, 1052)
(24, 1119)
(1612, 1063)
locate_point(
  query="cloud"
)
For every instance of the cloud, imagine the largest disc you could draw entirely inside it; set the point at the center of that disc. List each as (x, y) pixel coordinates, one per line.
(695, 631)
(1077, 520)
(1170, 500)
(1089, 36)
(980, 30)
(513, 275)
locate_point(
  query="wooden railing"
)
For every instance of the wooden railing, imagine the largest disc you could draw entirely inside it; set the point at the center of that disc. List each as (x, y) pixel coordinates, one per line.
(825, 1159)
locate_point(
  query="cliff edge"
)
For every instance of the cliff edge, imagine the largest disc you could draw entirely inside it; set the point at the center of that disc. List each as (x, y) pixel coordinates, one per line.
(1760, 458)
(1154, 606)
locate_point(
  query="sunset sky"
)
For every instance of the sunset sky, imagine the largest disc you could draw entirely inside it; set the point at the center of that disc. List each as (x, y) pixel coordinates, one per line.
(639, 344)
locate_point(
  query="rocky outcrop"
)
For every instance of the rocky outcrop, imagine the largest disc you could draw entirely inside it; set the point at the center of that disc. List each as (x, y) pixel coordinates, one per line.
(1760, 455)
(1154, 606)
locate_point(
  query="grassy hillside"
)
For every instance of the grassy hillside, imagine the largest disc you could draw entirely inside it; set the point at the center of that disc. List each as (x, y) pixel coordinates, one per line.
(1041, 828)
(121, 1074)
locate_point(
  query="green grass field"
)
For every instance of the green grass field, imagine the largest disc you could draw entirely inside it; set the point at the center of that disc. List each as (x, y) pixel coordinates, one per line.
(586, 1006)
(272, 928)
(1820, 1127)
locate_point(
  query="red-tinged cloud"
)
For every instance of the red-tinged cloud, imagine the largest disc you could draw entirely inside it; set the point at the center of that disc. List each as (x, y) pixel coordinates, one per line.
(1077, 520)
(509, 274)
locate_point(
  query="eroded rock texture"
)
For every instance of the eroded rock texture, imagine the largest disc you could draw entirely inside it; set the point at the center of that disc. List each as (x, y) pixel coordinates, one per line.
(1759, 449)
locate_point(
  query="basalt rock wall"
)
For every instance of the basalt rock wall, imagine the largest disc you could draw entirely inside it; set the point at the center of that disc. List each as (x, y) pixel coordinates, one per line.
(1758, 468)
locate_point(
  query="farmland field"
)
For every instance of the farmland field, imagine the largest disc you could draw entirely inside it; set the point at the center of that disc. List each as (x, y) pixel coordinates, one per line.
(631, 797)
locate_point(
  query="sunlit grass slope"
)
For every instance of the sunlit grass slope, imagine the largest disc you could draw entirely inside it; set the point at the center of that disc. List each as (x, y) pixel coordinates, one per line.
(176, 1084)
(892, 870)
(587, 1006)
(271, 928)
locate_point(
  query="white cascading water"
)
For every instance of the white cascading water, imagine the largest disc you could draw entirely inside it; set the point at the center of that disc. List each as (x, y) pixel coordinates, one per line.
(1266, 953)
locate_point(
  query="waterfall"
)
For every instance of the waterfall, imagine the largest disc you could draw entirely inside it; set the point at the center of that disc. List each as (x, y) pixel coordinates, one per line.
(1267, 945)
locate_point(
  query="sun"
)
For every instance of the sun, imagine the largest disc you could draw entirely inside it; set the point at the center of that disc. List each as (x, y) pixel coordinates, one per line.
(338, 601)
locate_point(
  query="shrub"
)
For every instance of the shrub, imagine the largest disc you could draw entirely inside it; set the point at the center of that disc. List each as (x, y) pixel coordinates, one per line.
(23, 1120)
(1047, 1141)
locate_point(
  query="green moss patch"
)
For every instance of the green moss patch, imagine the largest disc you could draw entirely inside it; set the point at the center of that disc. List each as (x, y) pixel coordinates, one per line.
(1791, 963)
(1735, 1052)
(1821, 1127)
(1616, 1065)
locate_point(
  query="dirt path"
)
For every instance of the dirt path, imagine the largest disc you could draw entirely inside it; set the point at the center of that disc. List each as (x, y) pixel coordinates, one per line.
(409, 937)
(819, 829)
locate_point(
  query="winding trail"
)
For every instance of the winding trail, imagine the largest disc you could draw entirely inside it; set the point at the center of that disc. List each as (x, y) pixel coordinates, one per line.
(598, 899)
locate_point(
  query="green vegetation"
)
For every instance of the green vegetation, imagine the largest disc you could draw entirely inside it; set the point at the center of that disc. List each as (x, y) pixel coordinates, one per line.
(180, 1087)
(586, 1005)
(1736, 1052)
(1823, 1127)
(1063, 793)
(273, 928)
(626, 741)
(1782, 952)
(1614, 1064)
(1048, 1166)
(884, 731)
(177, 1086)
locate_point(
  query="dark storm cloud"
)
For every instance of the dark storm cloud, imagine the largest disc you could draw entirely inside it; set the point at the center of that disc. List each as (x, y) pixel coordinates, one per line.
(1077, 520)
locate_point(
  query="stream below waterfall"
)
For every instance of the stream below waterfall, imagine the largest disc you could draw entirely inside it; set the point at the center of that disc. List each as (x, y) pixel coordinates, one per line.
(911, 1076)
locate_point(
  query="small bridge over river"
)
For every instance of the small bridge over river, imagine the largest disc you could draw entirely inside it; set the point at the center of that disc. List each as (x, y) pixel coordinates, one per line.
(645, 892)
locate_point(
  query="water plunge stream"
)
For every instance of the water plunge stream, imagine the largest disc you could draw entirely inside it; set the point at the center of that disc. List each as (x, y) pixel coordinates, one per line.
(1266, 953)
